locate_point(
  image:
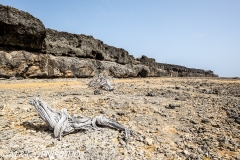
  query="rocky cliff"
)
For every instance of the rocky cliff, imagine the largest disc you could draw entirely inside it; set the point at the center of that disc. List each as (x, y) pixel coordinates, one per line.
(29, 50)
(20, 29)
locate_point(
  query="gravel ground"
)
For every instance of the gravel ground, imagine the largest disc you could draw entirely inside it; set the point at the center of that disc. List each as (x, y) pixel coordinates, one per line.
(177, 118)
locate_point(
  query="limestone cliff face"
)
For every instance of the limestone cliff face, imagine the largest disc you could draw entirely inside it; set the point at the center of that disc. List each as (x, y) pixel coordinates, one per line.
(29, 50)
(82, 46)
(39, 65)
(156, 69)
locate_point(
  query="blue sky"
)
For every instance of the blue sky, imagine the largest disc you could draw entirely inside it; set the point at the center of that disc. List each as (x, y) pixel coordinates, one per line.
(202, 34)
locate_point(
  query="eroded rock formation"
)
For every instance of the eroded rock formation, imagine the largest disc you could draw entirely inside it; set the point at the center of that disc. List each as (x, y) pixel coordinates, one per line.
(29, 50)
(163, 69)
(38, 65)
(20, 29)
(82, 46)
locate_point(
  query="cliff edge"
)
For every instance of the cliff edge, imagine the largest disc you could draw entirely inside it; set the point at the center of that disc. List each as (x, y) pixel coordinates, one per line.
(29, 50)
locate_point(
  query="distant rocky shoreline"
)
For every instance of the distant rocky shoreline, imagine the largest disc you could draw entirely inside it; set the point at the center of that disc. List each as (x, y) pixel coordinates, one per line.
(29, 50)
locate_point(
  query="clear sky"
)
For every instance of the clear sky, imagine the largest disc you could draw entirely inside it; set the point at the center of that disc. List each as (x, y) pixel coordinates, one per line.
(202, 34)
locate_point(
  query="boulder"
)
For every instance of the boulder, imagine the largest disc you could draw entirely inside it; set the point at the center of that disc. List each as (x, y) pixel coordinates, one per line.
(20, 29)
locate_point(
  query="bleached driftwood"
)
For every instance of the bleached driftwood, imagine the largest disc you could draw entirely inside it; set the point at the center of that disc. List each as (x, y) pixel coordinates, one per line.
(62, 123)
(101, 81)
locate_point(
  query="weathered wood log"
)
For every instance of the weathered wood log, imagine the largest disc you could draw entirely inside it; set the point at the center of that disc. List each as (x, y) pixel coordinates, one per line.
(100, 81)
(62, 123)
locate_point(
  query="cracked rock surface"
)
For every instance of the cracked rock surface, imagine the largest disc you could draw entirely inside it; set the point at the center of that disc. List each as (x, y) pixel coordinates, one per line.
(177, 118)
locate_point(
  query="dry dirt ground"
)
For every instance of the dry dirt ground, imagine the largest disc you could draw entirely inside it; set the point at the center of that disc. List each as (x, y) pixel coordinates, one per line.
(177, 118)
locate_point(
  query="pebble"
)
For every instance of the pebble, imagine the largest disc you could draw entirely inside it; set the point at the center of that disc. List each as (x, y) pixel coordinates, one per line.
(148, 141)
(172, 106)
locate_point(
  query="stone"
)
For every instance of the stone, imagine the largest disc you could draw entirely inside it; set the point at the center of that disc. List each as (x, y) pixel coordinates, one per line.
(148, 141)
(151, 94)
(97, 92)
(205, 120)
(177, 87)
(2, 106)
(176, 98)
(172, 106)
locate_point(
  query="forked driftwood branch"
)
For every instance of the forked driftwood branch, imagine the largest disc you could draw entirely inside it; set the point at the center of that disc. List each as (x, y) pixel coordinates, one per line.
(101, 81)
(62, 123)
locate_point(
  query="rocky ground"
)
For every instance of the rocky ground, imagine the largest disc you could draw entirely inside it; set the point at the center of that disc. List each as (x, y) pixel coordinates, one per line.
(177, 118)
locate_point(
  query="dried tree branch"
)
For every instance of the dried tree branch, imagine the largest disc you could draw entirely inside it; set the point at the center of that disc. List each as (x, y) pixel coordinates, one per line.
(62, 123)
(100, 81)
